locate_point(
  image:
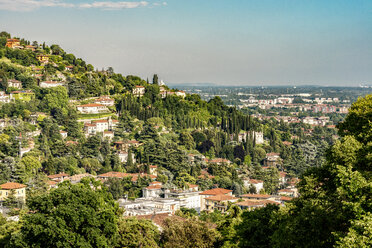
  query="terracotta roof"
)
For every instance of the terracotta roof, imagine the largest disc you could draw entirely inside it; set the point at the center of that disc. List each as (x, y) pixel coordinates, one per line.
(257, 203)
(91, 105)
(272, 154)
(282, 174)
(139, 86)
(115, 174)
(219, 160)
(250, 203)
(11, 185)
(154, 187)
(51, 182)
(216, 191)
(193, 185)
(153, 166)
(221, 198)
(286, 190)
(255, 181)
(58, 175)
(286, 198)
(71, 142)
(262, 196)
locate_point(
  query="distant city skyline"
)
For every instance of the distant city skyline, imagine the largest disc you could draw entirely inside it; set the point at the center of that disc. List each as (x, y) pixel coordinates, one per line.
(222, 42)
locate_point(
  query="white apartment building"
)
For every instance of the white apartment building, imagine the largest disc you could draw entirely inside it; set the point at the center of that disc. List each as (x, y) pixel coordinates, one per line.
(92, 108)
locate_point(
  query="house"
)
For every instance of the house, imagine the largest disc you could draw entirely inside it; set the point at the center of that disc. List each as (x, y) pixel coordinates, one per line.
(125, 145)
(258, 197)
(24, 95)
(212, 192)
(257, 184)
(103, 125)
(52, 184)
(272, 159)
(30, 47)
(163, 93)
(106, 126)
(141, 207)
(153, 169)
(219, 161)
(51, 84)
(77, 178)
(105, 100)
(92, 108)
(219, 202)
(13, 43)
(259, 137)
(14, 84)
(188, 198)
(43, 58)
(19, 191)
(4, 98)
(63, 134)
(90, 129)
(154, 190)
(252, 204)
(108, 135)
(282, 177)
(123, 156)
(138, 90)
(288, 192)
(69, 68)
(59, 177)
(181, 93)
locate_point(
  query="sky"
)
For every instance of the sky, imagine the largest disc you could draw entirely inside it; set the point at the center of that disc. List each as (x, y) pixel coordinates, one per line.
(223, 42)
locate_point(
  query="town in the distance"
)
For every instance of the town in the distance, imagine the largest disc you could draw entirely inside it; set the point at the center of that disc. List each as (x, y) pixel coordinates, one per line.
(160, 152)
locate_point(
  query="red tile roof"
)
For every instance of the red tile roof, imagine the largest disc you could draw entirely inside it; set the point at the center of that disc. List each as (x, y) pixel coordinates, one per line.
(216, 191)
(51, 182)
(11, 185)
(58, 175)
(262, 196)
(255, 181)
(91, 105)
(221, 198)
(286, 198)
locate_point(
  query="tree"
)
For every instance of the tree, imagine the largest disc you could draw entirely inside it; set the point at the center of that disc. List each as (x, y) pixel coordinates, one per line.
(134, 232)
(187, 140)
(71, 216)
(335, 196)
(155, 79)
(257, 227)
(7, 230)
(187, 233)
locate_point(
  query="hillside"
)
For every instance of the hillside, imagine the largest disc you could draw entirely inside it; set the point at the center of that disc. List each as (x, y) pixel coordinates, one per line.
(62, 120)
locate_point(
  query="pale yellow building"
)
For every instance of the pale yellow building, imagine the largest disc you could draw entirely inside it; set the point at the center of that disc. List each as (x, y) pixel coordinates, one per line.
(18, 189)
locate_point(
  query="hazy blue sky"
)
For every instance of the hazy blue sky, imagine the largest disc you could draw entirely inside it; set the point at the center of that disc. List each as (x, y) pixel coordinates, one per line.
(237, 42)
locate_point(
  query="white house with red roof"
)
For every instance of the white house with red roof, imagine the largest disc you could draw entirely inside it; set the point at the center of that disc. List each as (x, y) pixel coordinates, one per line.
(212, 192)
(154, 190)
(138, 90)
(14, 83)
(105, 100)
(258, 184)
(92, 108)
(181, 93)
